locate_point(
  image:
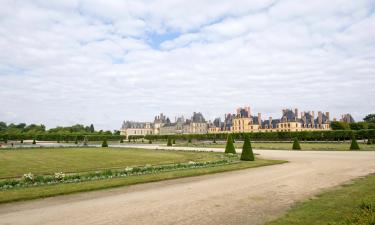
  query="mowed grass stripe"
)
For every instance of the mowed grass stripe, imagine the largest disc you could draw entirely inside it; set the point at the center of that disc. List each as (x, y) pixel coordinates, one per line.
(15, 163)
(62, 189)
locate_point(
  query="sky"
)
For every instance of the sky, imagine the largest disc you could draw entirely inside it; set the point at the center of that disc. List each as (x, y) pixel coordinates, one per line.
(102, 62)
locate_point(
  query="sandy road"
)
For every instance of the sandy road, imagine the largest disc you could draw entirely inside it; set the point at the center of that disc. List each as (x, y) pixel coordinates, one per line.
(250, 196)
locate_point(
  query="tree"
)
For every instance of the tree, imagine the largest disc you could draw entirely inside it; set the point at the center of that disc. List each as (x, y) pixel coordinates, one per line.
(169, 143)
(370, 118)
(247, 151)
(354, 145)
(105, 144)
(92, 129)
(336, 125)
(296, 145)
(229, 148)
(358, 126)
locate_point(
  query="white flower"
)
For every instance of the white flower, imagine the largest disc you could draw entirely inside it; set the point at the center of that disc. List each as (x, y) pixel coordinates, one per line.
(59, 176)
(28, 177)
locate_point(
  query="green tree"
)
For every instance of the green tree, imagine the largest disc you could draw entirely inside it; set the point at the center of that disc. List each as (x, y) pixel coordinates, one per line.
(247, 151)
(105, 144)
(296, 145)
(336, 125)
(169, 143)
(229, 148)
(354, 145)
(370, 118)
(92, 129)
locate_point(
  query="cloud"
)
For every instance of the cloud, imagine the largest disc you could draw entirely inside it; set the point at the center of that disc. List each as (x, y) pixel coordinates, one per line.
(67, 62)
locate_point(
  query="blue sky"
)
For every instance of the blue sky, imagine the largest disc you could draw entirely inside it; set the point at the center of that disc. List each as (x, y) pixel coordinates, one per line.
(102, 62)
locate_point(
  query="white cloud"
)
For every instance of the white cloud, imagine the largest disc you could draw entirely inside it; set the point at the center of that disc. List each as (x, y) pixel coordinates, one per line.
(67, 62)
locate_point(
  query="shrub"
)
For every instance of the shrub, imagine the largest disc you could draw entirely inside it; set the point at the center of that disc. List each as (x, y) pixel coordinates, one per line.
(169, 143)
(122, 140)
(247, 151)
(214, 141)
(354, 145)
(76, 141)
(229, 148)
(174, 141)
(105, 144)
(149, 141)
(189, 140)
(34, 142)
(296, 145)
(21, 141)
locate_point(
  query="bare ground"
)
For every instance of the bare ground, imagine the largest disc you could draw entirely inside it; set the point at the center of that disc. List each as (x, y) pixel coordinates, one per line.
(251, 196)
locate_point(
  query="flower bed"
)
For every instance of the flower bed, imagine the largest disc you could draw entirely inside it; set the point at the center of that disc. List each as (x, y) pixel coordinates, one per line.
(30, 180)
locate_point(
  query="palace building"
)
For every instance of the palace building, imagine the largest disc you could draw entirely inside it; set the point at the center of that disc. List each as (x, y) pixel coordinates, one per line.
(241, 121)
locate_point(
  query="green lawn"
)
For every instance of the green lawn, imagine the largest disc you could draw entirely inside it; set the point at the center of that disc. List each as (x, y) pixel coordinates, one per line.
(15, 163)
(285, 146)
(42, 161)
(350, 204)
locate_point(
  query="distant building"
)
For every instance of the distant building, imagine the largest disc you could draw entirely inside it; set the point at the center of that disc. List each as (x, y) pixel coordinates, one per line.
(241, 121)
(347, 118)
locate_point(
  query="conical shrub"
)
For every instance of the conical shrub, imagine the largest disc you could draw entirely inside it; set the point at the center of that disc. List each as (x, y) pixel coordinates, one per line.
(296, 145)
(247, 151)
(105, 144)
(169, 143)
(354, 145)
(34, 142)
(150, 141)
(229, 148)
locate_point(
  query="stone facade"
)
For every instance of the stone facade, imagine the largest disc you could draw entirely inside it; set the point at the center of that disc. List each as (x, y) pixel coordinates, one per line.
(241, 121)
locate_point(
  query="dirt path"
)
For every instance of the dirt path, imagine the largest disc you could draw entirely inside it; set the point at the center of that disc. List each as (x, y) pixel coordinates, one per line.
(250, 196)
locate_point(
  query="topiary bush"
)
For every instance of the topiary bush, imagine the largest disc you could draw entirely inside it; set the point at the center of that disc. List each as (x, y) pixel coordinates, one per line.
(174, 141)
(105, 144)
(169, 143)
(229, 148)
(34, 142)
(122, 140)
(296, 145)
(149, 141)
(247, 151)
(354, 145)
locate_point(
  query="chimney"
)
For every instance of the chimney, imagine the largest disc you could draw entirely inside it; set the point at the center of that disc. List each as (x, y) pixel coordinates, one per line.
(296, 113)
(260, 119)
(312, 119)
(327, 115)
(238, 111)
(270, 122)
(320, 118)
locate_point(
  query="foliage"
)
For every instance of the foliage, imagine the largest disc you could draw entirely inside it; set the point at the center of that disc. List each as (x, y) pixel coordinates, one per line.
(336, 125)
(359, 126)
(370, 118)
(354, 145)
(247, 151)
(169, 143)
(229, 148)
(105, 144)
(296, 145)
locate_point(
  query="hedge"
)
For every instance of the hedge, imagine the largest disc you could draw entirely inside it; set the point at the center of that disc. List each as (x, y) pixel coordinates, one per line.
(57, 137)
(331, 135)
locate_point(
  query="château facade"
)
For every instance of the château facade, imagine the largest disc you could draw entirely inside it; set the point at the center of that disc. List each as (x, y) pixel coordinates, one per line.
(241, 121)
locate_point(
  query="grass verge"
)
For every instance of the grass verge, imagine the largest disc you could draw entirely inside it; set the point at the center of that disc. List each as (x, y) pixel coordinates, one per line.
(61, 189)
(346, 205)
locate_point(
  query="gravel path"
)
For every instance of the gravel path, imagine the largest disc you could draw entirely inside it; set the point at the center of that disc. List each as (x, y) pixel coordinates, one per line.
(250, 196)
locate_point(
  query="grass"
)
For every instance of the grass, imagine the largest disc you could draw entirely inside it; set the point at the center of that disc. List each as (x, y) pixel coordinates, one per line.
(285, 146)
(61, 189)
(349, 204)
(15, 163)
